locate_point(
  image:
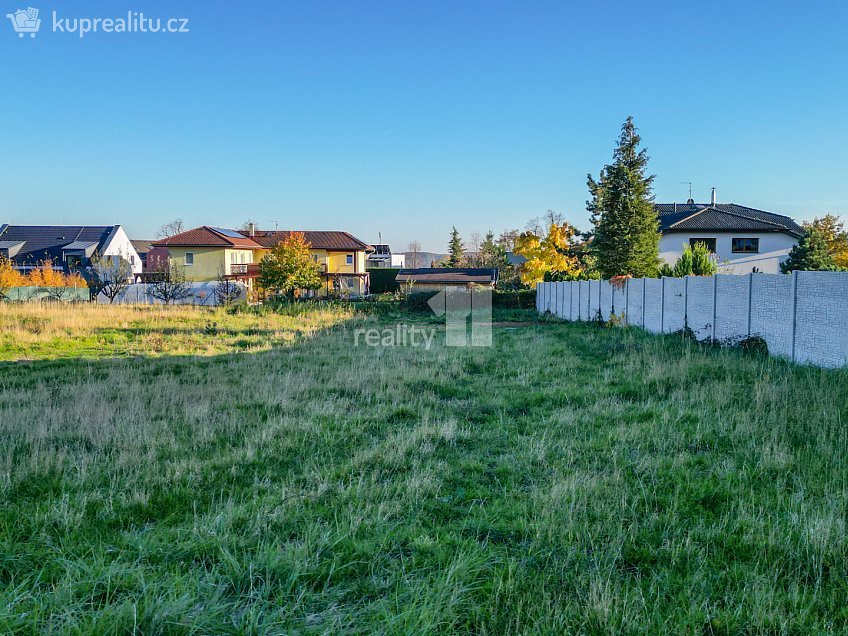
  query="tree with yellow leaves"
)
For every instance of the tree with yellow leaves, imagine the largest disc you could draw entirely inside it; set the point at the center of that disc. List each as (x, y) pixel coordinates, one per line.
(832, 230)
(550, 257)
(9, 277)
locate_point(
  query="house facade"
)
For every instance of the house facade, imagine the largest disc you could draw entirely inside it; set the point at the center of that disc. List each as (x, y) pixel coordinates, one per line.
(68, 247)
(340, 256)
(745, 240)
(207, 253)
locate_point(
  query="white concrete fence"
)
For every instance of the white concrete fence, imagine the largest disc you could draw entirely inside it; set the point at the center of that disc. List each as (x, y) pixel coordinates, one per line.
(802, 317)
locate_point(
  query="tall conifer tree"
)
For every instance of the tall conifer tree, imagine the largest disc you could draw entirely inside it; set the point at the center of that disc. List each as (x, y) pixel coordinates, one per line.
(626, 239)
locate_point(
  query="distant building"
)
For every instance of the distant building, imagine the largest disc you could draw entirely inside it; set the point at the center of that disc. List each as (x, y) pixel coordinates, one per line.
(743, 239)
(143, 247)
(206, 253)
(382, 256)
(437, 278)
(68, 247)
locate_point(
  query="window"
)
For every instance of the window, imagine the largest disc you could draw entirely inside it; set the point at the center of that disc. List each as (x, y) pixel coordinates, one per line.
(709, 242)
(349, 259)
(746, 245)
(189, 258)
(132, 259)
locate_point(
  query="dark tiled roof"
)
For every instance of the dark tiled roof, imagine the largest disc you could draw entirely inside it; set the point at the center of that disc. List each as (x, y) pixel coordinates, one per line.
(448, 275)
(316, 240)
(206, 236)
(722, 217)
(42, 242)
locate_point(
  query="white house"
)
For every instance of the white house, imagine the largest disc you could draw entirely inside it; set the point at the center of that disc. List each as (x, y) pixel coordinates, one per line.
(744, 239)
(68, 247)
(382, 256)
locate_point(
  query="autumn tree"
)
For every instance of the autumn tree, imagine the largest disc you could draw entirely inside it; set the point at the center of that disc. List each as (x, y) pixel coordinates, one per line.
(626, 238)
(9, 277)
(835, 237)
(810, 254)
(549, 257)
(290, 267)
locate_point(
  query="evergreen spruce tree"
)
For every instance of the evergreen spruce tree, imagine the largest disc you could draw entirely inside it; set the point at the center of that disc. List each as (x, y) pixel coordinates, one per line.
(626, 239)
(811, 253)
(456, 255)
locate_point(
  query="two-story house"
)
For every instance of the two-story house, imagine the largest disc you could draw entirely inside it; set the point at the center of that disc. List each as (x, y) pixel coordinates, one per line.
(207, 253)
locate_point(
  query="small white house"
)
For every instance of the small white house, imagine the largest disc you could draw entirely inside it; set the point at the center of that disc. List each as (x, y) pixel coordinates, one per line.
(744, 239)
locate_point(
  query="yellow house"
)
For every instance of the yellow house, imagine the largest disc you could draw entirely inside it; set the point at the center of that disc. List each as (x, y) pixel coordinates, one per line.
(207, 253)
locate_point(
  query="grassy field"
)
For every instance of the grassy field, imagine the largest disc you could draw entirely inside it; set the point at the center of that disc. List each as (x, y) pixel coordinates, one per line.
(189, 471)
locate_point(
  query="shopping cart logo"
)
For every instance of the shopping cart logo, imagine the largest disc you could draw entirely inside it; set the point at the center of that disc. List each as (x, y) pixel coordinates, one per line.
(25, 21)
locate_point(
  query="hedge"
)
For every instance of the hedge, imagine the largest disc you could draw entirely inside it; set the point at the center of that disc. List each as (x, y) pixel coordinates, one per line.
(383, 280)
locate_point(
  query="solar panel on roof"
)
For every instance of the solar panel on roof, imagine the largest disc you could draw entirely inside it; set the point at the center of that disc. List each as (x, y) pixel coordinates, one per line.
(228, 233)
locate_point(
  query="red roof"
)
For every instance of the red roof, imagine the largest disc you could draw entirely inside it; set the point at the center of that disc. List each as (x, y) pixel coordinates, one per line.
(317, 240)
(206, 236)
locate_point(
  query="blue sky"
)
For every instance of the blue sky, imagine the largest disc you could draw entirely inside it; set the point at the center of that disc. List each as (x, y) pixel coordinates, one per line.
(408, 117)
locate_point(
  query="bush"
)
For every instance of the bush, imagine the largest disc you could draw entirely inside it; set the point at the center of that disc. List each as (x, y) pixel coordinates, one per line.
(522, 299)
(417, 301)
(383, 280)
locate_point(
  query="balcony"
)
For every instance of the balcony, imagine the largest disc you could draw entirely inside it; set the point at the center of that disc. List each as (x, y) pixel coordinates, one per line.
(244, 270)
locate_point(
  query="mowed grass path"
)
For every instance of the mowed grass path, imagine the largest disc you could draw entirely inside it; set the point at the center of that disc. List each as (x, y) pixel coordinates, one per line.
(570, 479)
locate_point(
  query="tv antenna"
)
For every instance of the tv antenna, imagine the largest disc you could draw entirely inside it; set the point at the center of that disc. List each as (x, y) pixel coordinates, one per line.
(689, 183)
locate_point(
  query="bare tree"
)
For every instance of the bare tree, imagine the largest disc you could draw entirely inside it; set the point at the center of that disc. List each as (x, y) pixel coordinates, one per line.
(414, 251)
(507, 239)
(169, 284)
(170, 229)
(472, 252)
(110, 276)
(227, 291)
(541, 224)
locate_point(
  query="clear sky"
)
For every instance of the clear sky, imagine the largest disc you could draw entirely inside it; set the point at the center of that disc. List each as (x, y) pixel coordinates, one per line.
(408, 117)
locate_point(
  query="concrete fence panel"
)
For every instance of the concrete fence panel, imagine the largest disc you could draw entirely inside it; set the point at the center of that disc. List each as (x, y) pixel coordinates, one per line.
(674, 304)
(821, 318)
(771, 311)
(635, 295)
(732, 295)
(653, 310)
(605, 294)
(699, 305)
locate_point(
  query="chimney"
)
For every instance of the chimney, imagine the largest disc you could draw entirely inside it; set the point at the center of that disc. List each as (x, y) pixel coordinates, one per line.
(252, 227)
(712, 197)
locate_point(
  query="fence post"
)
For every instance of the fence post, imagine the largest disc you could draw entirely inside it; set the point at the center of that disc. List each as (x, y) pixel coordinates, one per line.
(644, 297)
(686, 302)
(750, 299)
(715, 309)
(794, 309)
(662, 306)
(627, 301)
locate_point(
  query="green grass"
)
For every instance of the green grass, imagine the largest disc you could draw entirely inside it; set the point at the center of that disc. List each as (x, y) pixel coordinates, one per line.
(569, 479)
